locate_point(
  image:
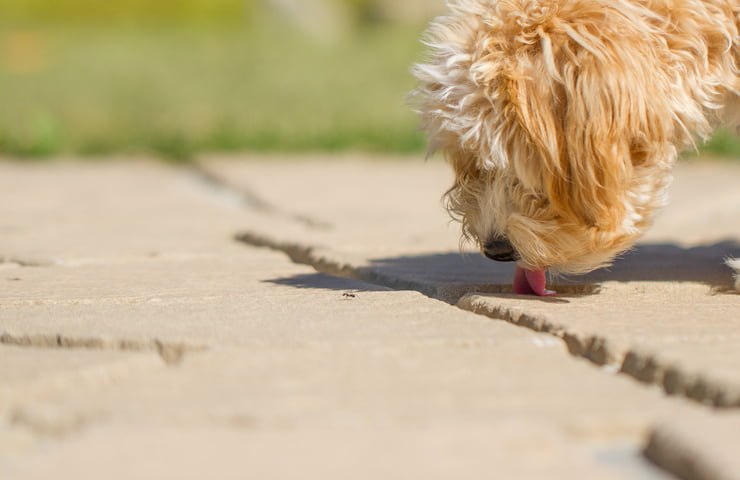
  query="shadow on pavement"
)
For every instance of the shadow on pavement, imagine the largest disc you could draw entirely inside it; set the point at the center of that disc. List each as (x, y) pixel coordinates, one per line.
(646, 262)
(671, 263)
(327, 282)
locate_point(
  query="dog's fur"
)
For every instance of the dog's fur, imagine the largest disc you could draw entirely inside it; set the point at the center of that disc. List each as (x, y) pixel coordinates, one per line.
(563, 118)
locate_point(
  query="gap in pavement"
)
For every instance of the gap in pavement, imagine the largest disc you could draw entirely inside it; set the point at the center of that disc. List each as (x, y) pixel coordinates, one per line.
(171, 353)
(596, 349)
(220, 186)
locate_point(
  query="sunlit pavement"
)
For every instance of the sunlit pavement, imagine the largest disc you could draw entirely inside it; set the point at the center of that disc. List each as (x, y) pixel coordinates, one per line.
(313, 317)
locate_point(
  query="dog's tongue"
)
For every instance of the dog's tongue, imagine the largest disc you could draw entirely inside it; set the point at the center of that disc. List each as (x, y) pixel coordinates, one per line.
(531, 282)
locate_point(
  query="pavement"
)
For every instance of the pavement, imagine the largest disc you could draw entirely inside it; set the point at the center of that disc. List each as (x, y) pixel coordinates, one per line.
(314, 317)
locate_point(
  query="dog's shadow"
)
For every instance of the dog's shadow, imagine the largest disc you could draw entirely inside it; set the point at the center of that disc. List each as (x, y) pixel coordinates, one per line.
(671, 263)
(472, 272)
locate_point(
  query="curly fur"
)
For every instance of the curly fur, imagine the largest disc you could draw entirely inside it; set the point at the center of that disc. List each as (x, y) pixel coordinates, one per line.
(563, 118)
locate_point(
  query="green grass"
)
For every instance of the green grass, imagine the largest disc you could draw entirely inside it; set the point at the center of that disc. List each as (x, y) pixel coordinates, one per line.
(177, 92)
(180, 90)
(723, 144)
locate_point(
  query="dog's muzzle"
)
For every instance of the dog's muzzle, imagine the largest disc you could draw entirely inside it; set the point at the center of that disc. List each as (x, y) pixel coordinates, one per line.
(500, 250)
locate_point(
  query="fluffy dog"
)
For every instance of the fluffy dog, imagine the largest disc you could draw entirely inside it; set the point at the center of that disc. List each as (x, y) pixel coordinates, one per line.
(563, 118)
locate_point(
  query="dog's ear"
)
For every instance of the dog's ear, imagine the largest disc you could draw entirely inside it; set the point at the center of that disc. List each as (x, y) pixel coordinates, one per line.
(592, 110)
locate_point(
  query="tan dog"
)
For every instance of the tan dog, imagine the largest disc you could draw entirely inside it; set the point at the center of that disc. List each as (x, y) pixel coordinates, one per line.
(563, 118)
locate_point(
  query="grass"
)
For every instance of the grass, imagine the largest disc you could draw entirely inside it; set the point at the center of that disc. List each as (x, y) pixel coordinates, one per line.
(177, 91)
(723, 144)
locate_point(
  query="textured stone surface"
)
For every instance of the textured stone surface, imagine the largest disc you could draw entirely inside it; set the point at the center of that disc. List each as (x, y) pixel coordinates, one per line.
(73, 214)
(370, 224)
(703, 206)
(139, 339)
(698, 447)
(516, 389)
(197, 453)
(370, 384)
(29, 374)
(391, 226)
(676, 335)
(663, 313)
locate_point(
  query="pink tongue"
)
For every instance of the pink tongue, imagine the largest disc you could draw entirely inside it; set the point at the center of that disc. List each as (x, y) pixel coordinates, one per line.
(531, 282)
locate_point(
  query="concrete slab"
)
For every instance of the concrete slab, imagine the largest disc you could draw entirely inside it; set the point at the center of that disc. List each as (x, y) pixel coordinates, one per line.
(104, 265)
(674, 335)
(273, 316)
(663, 313)
(72, 213)
(703, 207)
(403, 236)
(375, 202)
(530, 396)
(513, 450)
(236, 296)
(33, 375)
(376, 384)
(698, 447)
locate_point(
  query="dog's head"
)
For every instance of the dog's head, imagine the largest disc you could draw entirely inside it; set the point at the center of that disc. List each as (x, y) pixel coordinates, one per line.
(537, 221)
(562, 121)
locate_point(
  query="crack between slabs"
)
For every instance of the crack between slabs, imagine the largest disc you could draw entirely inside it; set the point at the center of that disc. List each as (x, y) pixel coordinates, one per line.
(171, 353)
(21, 262)
(308, 256)
(645, 367)
(213, 181)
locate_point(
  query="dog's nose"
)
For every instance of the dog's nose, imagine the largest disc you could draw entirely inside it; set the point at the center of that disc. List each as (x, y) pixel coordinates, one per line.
(500, 250)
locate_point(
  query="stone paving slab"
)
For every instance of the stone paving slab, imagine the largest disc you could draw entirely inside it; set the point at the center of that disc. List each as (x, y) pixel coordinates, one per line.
(30, 375)
(131, 453)
(674, 335)
(121, 280)
(38, 372)
(338, 390)
(703, 205)
(251, 297)
(104, 265)
(698, 447)
(71, 213)
(383, 385)
(403, 195)
(163, 269)
(404, 234)
(302, 317)
(666, 307)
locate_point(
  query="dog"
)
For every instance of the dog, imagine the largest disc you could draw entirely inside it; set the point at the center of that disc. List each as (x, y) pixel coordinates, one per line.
(563, 119)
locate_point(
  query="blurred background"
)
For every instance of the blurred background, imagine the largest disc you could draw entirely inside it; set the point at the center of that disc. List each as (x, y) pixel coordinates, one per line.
(176, 78)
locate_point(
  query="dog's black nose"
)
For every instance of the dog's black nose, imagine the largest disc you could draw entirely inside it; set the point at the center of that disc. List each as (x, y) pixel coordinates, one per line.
(500, 250)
